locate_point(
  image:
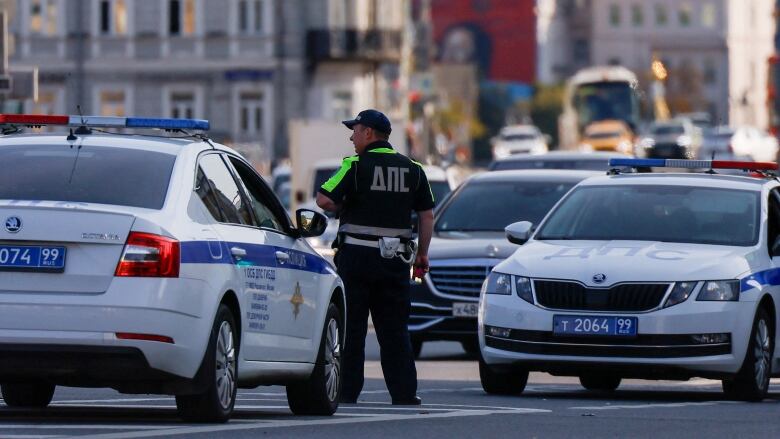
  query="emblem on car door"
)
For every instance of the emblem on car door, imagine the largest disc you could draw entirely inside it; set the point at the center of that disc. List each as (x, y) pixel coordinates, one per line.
(599, 278)
(13, 224)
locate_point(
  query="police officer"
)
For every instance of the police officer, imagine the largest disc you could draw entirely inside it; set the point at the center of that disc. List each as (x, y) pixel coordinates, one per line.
(375, 193)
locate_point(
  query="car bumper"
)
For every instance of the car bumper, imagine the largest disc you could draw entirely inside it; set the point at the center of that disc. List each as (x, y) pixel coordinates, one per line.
(431, 317)
(664, 338)
(175, 308)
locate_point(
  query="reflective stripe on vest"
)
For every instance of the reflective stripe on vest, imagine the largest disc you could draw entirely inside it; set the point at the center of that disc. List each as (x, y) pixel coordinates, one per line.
(375, 231)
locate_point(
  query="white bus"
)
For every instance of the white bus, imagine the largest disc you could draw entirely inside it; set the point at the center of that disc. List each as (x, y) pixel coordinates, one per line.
(594, 94)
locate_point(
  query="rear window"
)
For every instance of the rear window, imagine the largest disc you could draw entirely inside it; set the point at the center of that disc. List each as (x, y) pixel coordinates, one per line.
(124, 177)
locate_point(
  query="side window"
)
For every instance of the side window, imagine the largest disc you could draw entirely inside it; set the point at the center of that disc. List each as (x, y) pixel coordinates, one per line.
(228, 196)
(256, 190)
(206, 193)
(773, 220)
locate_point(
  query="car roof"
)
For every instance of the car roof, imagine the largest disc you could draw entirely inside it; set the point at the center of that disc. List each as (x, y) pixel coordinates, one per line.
(564, 155)
(682, 179)
(169, 145)
(552, 175)
(513, 129)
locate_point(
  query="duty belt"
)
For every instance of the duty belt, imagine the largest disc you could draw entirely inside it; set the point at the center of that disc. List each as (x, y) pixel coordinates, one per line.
(375, 231)
(407, 255)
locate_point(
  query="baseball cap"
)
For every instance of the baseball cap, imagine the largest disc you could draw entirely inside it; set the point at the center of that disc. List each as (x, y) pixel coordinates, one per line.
(370, 118)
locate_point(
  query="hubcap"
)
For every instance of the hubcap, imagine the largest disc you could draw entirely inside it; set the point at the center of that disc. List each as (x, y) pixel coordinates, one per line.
(226, 365)
(762, 352)
(332, 359)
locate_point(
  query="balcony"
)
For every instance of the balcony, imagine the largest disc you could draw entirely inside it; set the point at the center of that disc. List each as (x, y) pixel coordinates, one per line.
(352, 45)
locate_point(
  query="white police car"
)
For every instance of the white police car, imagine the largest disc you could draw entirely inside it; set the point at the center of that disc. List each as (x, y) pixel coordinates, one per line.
(655, 276)
(157, 265)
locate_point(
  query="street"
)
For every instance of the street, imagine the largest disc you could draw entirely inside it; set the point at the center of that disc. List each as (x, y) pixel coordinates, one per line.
(454, 405)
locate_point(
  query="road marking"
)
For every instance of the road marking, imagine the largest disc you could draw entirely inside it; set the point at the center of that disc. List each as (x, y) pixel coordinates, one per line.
(652, 406)
(300, 423)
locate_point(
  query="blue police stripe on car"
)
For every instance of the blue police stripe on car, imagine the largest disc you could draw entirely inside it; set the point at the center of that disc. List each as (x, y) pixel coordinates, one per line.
(767, 277)
(218, 252)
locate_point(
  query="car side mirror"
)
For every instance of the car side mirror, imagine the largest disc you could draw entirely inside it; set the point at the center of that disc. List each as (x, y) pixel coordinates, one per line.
(310, 223)
(775, 251)
(519, 232)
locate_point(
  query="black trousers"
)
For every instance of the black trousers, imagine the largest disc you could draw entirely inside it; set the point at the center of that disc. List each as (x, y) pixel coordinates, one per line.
(379, 286)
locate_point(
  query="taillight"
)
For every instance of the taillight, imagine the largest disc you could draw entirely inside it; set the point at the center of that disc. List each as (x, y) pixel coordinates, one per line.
(148, 255)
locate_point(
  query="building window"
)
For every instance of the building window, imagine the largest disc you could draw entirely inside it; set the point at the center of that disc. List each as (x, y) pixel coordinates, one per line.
(637, 16)
(181, 17)
(251, 116)
(709, 15)
(113, 17)
(710, 72)
(250, 16)
(112, 103)
(661, 15)
(43, 17)
(341, 105)
(182, 105)
(614, 15)
(684, 14)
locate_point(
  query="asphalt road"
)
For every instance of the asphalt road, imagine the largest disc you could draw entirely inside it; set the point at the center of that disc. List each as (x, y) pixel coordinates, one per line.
(454, 405)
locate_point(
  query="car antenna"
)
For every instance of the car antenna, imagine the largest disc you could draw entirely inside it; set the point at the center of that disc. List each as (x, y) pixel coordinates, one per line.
(83, 128)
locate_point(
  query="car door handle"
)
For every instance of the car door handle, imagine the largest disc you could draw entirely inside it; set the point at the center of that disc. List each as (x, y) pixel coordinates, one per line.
(282, 257)
(238, 252)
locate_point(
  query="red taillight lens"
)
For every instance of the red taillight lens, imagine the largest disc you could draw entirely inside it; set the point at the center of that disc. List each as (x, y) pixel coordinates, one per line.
(148, 255)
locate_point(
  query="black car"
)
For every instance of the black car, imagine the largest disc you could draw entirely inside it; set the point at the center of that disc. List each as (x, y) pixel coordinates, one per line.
(590, 161)
(468, 240)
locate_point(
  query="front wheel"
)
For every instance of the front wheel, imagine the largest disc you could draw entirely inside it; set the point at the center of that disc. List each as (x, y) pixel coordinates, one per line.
(220, 368)
(600, 382)
(502, 383)
(27, 395)
(752, 381)
(319, 395)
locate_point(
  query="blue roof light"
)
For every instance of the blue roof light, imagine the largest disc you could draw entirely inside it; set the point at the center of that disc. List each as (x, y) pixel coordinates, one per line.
(168, 124)
(658, 163)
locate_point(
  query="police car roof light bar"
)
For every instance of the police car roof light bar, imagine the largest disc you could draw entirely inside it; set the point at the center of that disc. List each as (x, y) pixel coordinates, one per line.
(104, 121)
(693, 164)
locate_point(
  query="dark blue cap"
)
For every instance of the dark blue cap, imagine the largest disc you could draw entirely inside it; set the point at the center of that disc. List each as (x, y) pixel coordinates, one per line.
(370, 118)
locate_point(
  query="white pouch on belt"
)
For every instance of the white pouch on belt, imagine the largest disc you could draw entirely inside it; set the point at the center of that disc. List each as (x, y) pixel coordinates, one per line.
(389, 247)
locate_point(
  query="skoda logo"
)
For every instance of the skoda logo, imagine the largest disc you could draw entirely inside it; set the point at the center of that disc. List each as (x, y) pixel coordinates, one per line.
(599, 278)
(13, 224)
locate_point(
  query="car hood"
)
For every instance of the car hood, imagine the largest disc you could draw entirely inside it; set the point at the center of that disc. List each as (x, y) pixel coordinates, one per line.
(471, 245)
(629, 261)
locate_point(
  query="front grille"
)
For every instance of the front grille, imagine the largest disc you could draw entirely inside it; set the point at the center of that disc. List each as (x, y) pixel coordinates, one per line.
(575, 296)
(459, 281)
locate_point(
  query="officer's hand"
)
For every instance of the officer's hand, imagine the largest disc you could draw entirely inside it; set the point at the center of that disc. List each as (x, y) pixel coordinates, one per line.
(421, 262)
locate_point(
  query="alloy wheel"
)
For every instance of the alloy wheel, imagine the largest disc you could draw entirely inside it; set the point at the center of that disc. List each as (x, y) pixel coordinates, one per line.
(226, 365)
(332, 360)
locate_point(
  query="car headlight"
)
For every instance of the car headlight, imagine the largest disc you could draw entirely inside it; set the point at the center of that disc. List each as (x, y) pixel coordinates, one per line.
(523, 288)
(719, 290)
(497, 283)
(680, 293)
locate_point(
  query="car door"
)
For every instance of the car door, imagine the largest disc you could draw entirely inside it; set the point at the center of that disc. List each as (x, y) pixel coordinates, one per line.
(298, 269)
(263, 327)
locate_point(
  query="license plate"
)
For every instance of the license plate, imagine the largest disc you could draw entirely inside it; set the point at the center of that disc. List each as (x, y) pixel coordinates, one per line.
(465, 309)
(32, 258)
(594, 325)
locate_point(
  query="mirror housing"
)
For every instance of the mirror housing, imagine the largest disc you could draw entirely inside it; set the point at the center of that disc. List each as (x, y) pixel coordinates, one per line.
(310, 223)
(519, 232)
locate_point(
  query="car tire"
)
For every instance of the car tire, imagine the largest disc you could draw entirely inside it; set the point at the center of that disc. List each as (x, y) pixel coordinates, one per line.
(220, 369)
(502, 383)
(417, 344)
(600, 382)
(320, 393)
(751, 383)
(27, 395)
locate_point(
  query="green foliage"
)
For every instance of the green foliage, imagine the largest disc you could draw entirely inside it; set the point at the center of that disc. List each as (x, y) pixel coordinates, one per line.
(546, 106)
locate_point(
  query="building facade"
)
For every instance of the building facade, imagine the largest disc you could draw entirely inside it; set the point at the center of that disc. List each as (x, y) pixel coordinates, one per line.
(249, 66)
(715, 51)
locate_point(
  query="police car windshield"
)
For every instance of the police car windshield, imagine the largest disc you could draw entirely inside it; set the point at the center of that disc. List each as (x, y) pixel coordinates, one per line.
(117, 176)
(492, 205)
(656, 213)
